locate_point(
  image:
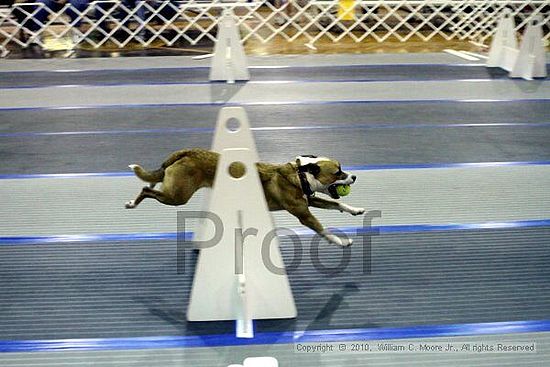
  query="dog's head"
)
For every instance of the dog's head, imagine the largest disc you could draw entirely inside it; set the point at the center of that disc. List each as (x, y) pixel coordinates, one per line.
(324, 174)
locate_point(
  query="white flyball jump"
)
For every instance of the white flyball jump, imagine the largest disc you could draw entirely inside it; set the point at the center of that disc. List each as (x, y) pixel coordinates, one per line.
(531, 61)
(229, 60)
(242, 277)
(504, 46)
(235, 131)
(243, 137)
(528, 61)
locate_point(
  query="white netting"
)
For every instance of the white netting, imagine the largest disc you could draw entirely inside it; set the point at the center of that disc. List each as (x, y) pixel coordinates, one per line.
(116, 24)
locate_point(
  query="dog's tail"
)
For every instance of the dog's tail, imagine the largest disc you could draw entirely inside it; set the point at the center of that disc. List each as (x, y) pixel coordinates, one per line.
(176, 156)
(158, 174)
(148, 176)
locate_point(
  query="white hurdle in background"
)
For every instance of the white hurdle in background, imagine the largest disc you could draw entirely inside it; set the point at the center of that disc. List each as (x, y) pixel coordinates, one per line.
(504, 46)
(232, 280)
(529, 60)
(229, 60)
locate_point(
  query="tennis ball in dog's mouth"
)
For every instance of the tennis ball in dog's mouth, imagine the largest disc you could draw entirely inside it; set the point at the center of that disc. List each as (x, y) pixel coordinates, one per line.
(343, 190)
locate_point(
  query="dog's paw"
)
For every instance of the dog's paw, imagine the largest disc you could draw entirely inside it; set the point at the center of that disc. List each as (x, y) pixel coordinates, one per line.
(130, 204)
(351, 209)
(357, 211)
(339, 241)
(346, 242)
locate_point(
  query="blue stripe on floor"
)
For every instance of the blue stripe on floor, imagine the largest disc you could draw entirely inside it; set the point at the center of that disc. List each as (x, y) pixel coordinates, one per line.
(314, 336)
(300, 231)
(89, 238)
(64, 175)
(366, 167)
(374, 167)
(206, 130)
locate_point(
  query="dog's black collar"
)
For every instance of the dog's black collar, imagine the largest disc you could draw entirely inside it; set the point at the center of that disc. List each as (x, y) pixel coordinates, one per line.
(306, 188)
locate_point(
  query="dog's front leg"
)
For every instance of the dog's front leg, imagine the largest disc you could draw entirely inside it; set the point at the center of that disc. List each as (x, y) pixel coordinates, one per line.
(308, 220)
(332, 238)
(335, 205)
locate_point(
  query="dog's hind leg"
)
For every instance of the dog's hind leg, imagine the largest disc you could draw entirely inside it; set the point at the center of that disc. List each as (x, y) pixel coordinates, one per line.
(142, 195)
(162, 197)
(180, 181)
(153, 177)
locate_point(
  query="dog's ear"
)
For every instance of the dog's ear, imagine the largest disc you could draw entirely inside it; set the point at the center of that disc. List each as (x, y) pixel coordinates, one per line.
(313, 169)
(305, 164)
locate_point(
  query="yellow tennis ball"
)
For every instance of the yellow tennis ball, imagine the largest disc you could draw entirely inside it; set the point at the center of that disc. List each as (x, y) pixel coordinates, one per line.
(343, 190)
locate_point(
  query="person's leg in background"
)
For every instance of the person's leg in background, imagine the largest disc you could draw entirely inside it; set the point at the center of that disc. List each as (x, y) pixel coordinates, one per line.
(33, 16)
(76, 9)
(129, 7)
(23, 14)
(42, 11)
(280, 18)
(47, 7)
(167, 9)
(102, 13)
(166, 12)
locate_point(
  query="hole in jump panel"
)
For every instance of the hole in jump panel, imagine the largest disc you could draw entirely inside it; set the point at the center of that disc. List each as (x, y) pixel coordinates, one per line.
(233, 125)
(237, 170)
